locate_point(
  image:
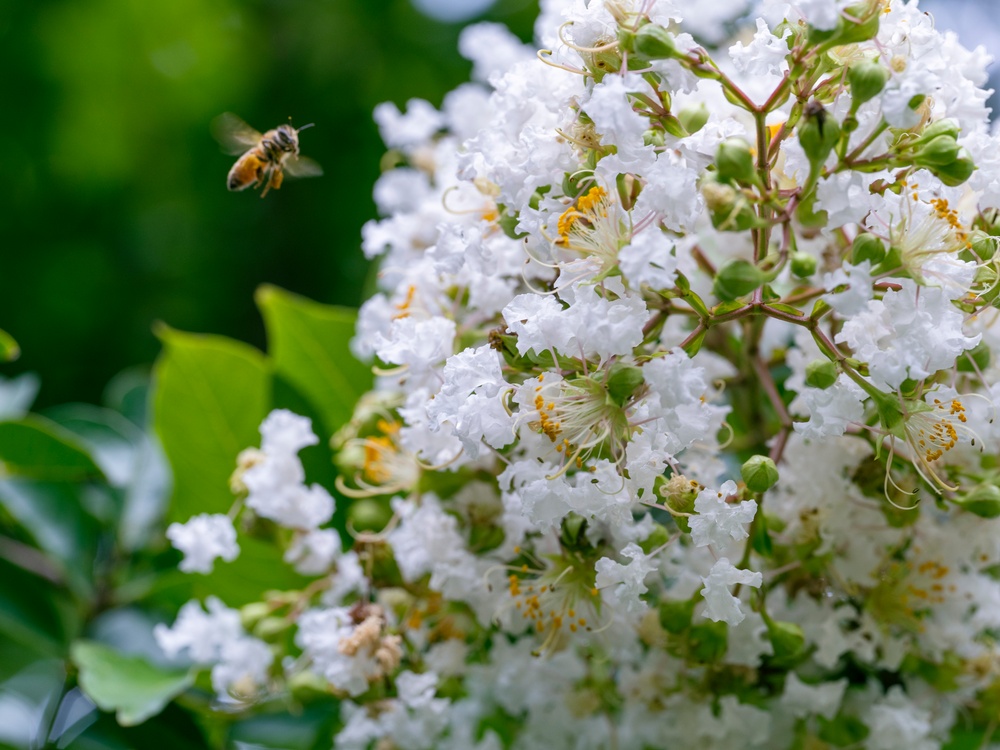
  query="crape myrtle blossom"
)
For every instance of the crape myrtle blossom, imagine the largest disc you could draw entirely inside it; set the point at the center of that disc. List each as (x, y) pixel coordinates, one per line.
(681, 428)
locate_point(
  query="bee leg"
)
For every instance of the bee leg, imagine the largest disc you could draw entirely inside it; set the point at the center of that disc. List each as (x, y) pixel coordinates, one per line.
(277, 178)
(265, 180)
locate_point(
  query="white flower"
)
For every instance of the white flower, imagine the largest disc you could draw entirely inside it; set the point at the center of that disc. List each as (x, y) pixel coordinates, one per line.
(285, 433)
(202, 634)
(202, 539)
(765, 55)
(242, 667)
(419, 123)
(314, 552)
(720, 604)
(822, 699)
(627, 579)
(718, 522)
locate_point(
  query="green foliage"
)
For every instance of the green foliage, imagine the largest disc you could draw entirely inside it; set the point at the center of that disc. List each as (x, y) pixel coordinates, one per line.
(36, 447)
(128, 685)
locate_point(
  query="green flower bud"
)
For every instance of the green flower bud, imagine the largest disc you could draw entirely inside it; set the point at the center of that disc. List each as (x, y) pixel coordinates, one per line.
(850, 31)
(626, 39)
(803, 265)
(983, 501)
(737, 278)
(734, 160)
(657, 538)
(693, 118)
(730, 212)
(654, 43)
(938, 152)
(946, 126)
(787, 638)
(867, 79)
(573, 533)
(271, 627)
(675, 616)
(654, 137)
(673, 126)
(252, 613)
(708, 641)
(623, 380)
(958, 171)
(759, 473)
(368, 514)
(307, 685)
(821, 373)
(867, 247)
(818, 134)
(984, 245)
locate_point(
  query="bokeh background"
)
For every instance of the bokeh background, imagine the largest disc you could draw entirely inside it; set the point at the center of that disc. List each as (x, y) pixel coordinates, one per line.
(114, 212)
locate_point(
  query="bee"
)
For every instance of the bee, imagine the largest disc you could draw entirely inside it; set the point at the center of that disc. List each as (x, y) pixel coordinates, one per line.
(265, 158)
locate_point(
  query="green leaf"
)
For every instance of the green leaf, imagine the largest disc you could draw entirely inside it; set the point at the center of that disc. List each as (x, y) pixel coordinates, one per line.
(38, 448)
(9, 350)
(308, 343)
(129, 685)
(30, 614)
(211, 394)
(52, 513)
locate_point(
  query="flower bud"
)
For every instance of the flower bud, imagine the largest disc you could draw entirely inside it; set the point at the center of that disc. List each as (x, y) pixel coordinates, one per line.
(867, 79)
(675, 616)
(868, 247)
(787, 638)
(656, 539)
(759, 473)
(368, 514)
(729, 211)
(983, 501)
(623, 380)
(947, 126)
(654, 43)
(734, 160)
(818, 134)
(708, 641)
(737, 278)
(938, 152)
(252, 613)
(307, 685)
(803, 265)
(958, 171)
(271, 627)
(821, 373)
(983, 245)
(693, 118)
(654, 137)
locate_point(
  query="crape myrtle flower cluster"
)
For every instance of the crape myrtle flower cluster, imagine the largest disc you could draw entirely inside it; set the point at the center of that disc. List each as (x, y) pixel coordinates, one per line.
(683, 428)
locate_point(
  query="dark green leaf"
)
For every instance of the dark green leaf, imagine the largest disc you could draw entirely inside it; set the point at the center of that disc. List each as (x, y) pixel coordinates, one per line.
(309, 345)
(9, 350)
(37, 448)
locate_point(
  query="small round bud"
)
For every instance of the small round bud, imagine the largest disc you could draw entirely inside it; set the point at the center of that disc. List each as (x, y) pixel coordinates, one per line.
(306, 684)
(983, 501)
(737, 278)
(709, 641)
(252, 613)
(947, 126)
(787, 638)
(734, 160)
(868, 247)
(821, 373)
(693, 118)
(654, 137)
(937, 152)
(657, 538)
(983, 245)
(958, 171)
(623, 380)
(759, 473)
(867, 79)
(818, 134)
(675, 616)
(803, 265)
(654, 42)
(271, 627)
(368, 514)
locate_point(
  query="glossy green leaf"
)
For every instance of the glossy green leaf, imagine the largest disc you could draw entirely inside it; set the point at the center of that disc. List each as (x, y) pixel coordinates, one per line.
(29, 612)
(54, 516)
(9, 350)
(308, 343)
(128, 685)
(38, 448)
(211, 394)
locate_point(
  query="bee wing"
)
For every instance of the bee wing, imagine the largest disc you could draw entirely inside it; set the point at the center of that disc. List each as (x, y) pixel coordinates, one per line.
(302, 166)
(234, 134)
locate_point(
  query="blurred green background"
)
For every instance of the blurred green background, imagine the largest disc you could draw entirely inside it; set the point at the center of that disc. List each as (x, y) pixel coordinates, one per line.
(115, 212)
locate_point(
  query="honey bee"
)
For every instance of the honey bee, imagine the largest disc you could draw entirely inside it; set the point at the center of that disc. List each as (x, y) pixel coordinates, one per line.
(265, 158)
